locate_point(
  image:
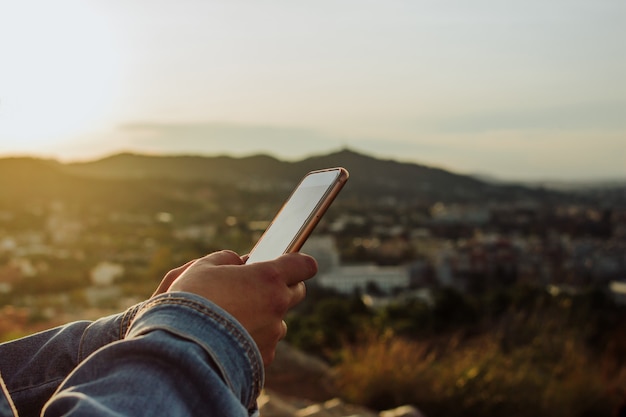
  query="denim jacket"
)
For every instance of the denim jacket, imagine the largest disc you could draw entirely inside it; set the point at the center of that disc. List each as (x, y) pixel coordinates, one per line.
(176, 354)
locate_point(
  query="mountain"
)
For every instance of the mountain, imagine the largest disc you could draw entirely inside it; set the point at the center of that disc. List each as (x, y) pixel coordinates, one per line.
(562, 185)
(29, 183)
(132, 179)
(186, 167)
(369, 177)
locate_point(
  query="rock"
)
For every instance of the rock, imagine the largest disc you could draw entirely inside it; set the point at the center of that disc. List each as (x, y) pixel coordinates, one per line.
(300, 385)
(404, 411)
(296, 374)
(274, 406)
(334, 408)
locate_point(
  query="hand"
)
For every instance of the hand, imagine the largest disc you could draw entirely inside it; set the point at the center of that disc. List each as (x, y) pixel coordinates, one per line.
(257, 295)
(170, 277)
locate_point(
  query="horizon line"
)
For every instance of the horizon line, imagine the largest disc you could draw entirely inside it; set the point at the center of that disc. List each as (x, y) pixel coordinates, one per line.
(486, 177)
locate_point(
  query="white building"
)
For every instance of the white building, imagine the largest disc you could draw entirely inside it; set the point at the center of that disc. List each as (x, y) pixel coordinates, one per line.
(105, 273)
(324, 250)
(347, 279)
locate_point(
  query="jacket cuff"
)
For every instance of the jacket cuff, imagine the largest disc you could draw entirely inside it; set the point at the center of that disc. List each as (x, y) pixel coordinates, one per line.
(105, 330)
(233, 352)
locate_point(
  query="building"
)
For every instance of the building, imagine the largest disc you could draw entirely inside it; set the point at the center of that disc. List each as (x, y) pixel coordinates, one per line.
(348, 279)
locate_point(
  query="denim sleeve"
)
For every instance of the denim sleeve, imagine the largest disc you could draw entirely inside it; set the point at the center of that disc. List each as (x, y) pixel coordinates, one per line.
(33, 367)
(7, 409)
(182, 356)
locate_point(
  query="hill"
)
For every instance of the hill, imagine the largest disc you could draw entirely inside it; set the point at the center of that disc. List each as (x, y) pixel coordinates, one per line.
(371, 178)
(29, 183)
(185, 167)
(132, 180)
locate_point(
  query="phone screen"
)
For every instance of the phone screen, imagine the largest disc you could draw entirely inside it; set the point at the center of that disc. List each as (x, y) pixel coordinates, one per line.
(299, 214)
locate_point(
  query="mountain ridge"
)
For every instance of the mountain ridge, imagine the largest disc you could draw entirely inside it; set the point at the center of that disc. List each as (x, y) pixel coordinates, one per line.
(371, 178)
(369, 175)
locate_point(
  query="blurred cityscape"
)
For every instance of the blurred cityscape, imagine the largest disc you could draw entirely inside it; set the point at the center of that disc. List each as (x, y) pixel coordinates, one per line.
(58, 257)
(475, 248)
(500, 296)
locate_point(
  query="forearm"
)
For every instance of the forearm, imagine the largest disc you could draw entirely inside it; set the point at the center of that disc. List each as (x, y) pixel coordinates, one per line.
(181, 356)
(34, 366)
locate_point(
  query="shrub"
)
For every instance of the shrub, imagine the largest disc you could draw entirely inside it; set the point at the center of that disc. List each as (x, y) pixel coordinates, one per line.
(449, 378)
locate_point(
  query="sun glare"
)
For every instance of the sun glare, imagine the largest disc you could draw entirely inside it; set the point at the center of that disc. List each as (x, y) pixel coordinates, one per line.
(59, 74)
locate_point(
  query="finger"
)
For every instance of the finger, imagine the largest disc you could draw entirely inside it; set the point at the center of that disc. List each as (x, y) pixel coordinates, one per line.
(284, 332)
(170, 277)
(299, 267)
(298, 293)
(223, 257)
(293, 267)
(176, 272)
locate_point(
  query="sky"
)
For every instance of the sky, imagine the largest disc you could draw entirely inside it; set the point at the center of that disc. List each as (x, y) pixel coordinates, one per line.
(518, 90)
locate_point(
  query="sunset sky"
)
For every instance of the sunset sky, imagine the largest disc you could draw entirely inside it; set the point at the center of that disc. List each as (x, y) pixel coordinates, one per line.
(522, 90)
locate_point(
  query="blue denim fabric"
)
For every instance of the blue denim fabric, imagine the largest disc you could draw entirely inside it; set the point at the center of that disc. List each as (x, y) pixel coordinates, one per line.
(33, 367)
(6, 406)
(181, 356)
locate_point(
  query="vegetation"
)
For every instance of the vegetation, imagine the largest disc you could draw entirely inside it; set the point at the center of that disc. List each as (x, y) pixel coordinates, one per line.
(517, 352)
(503, 348)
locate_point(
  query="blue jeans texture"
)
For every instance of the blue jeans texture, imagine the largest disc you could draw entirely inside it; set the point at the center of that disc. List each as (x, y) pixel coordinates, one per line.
(177, 354)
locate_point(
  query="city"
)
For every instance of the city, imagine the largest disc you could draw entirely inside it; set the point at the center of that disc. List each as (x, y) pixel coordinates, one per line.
(101, 256)
(496, 289)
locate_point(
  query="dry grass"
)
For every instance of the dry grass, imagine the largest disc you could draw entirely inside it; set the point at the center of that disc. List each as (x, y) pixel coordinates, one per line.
(456, 377)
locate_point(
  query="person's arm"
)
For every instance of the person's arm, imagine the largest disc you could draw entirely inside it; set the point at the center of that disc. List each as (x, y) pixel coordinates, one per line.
(197, 350)
(34, 366)
(182, 356)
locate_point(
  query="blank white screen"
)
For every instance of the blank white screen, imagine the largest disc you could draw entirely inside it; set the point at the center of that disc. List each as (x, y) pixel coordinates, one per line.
(292, 217)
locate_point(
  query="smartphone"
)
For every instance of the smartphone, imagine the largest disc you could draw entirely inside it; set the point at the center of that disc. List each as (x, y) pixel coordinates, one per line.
(299, 214)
